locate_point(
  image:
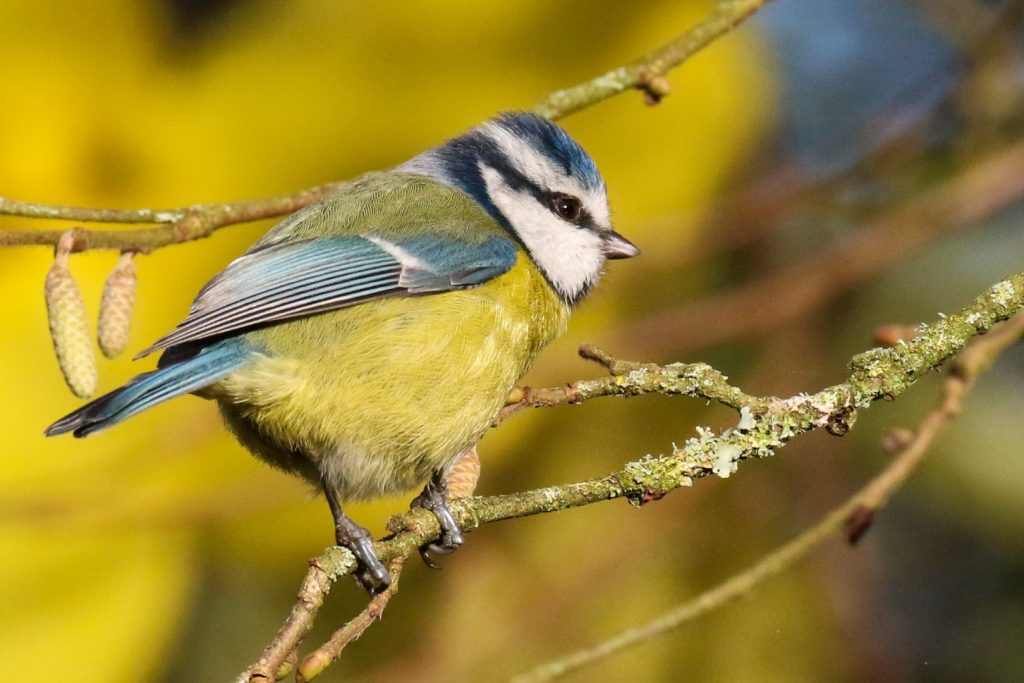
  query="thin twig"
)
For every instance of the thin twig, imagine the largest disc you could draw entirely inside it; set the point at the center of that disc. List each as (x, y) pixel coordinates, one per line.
(179, 225)
(875, 374)
(312, 592)
(856, 511)
(645, 72)
(315, 662)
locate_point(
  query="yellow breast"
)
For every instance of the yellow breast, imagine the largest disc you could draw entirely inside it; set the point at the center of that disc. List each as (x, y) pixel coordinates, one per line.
(377, 396)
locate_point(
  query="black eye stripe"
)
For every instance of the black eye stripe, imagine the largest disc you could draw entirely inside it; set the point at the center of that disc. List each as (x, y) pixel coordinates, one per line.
(465, 155)
(586, 222)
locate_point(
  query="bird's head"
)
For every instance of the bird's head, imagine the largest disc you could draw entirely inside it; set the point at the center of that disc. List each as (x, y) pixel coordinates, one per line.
(540, 185)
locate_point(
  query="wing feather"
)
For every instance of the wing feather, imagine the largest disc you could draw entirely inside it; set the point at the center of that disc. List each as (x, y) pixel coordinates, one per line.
(282, 281)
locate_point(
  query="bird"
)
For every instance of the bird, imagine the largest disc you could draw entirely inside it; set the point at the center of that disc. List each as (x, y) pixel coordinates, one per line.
(369, 339)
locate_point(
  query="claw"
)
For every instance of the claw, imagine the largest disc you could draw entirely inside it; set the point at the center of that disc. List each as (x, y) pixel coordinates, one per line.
(427, 559)
(371, 574)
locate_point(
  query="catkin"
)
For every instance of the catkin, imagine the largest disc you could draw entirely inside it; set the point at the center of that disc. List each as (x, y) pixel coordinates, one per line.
(69, 328)
(116, 307)
(463, 475)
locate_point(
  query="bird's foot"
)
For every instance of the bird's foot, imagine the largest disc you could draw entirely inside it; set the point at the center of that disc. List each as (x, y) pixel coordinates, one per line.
(371, 574)
(435, 498)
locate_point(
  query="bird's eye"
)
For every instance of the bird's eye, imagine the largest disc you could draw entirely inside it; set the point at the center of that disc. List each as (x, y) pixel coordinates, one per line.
(566, 207)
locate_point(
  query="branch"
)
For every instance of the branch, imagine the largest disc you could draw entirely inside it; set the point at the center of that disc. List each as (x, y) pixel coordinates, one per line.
(854, 516)
(697, 380)
(647, 73)
(765, 425)
(314, 663)
(312, 592)
(179, 225)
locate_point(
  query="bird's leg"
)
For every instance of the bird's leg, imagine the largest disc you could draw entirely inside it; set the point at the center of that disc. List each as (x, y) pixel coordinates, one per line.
(371, 573)
(435, 498)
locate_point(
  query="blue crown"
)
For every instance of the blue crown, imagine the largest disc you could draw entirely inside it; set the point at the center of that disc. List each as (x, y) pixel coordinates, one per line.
(555, 143)
(458, 161)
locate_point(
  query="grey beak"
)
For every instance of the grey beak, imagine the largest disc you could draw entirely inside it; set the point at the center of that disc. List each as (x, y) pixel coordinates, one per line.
(616, 246)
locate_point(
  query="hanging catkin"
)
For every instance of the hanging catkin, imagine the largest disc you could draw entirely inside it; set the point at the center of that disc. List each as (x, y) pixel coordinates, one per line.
(463, 475)
(68, 326)
(116, 307)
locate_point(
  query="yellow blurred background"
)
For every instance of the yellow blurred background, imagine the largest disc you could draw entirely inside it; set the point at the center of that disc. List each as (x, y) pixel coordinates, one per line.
(160, 550)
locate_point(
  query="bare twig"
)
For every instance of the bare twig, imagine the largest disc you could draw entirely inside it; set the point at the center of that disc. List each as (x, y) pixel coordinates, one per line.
(766, 424)
(854, 515)
(647, 73)
(312, 592)
(179, 225)
(314, 663)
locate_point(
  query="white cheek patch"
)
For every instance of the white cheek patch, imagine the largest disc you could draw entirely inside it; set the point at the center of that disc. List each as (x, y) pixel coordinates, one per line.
(570, 257)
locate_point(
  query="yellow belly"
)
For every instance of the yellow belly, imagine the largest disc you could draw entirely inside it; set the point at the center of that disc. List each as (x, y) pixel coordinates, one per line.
(375, 397)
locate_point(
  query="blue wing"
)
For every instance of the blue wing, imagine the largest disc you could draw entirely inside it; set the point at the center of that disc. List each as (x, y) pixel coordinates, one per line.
(289, 280)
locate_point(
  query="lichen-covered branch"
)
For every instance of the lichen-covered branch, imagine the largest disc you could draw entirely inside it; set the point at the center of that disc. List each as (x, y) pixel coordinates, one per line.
(185, 224)
(765, 425)
(698, 380)
(852, 517)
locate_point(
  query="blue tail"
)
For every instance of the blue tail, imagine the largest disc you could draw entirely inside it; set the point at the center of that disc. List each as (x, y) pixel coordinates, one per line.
(178, 377)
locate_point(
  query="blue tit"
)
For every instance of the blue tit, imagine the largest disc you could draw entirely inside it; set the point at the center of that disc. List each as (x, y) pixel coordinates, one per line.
(368, 340)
